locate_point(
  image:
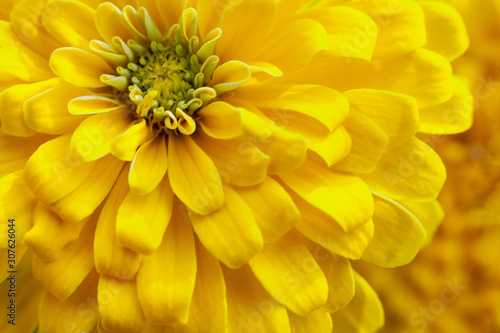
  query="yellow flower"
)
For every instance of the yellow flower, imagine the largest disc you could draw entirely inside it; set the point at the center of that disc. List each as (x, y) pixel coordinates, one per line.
(453, 285)
(203, 166)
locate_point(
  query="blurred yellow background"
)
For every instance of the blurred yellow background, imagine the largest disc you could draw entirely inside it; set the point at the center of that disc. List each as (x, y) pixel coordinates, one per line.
(453, 285)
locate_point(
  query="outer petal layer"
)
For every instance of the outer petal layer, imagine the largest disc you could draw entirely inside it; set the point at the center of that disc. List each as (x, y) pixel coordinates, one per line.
(291, 274)
(364, 314)
(230, 233)
(410, 171)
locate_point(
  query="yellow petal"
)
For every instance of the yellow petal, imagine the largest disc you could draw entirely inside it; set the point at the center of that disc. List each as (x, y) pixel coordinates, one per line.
(110, 257)
(230, 76)
(239, 162)
(230, 234)
(206, 52)
(118, 82)
(208, 10)
(335, 146)
(286, 9)
(350, 33)
(149, 166)
(48, 111)
(322, 229)
(253, 20)
(398, 235)
(73, 25)
(454, 116)
(368, 144)
(119, 305)
(302, 131)
(143, 219)
(78, 67)
(77, 313)
(110, 22)
(309, 100)
(446, 31)
(315, 322)
(189, 24)
(125, 145)
(272, 207)
(250, 307)
(286, 148)
(166, 279)
(287, 151)
(186, 125)
(11, 105)
(305, 37)
(340, 277)
(401, 26)
(193, 175)
(291, 274)
(264, 67)
(394, 113)
(364, 314)
(423, 74)
(19, 60)
(221, 120)
(429, 214)
(16, 202)
(109, 53)
(93, 137)
(255, 124)
(15, 151)
(62, 276)
(84, 200)
(209, 293)
(321, 187)
(138, 30)
(410, 171)
(28, 20)
(154, 12)
(49, 233)
(171, 10)
(94, 104)
(53, 171)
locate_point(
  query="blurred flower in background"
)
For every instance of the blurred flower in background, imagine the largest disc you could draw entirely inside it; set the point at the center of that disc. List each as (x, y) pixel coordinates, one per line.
(454, 283)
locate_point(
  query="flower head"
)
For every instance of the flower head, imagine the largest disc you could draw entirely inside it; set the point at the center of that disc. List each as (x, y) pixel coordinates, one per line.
(194, 166)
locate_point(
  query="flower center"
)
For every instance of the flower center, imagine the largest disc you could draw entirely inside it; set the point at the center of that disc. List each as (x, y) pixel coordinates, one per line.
(166, 78)
(162, 85)
(167, 71)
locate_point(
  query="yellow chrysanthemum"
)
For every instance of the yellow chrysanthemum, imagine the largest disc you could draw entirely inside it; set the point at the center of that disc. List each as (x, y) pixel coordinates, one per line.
(213, 166)
(454, 284)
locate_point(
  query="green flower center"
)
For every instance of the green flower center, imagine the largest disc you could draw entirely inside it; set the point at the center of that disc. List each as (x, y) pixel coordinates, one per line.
(167, 78)
(163, 82)
(168, 71)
